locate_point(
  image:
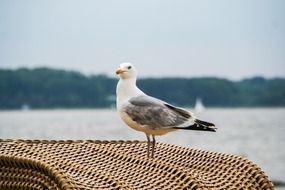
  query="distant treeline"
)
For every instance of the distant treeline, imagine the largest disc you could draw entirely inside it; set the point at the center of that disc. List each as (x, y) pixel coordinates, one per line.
(51, 88)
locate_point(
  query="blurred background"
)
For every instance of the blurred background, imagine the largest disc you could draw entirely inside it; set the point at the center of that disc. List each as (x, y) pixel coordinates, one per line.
(223, 60)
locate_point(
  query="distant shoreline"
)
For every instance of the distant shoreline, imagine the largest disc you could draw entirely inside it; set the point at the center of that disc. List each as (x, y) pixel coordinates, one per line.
(45, 88)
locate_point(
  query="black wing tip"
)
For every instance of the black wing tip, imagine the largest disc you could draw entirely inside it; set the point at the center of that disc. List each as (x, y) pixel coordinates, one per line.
(197, 127)
(206, 123)
(211, 128)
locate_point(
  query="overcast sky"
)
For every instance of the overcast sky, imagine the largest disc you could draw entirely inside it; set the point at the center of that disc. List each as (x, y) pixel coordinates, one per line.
(224, 38)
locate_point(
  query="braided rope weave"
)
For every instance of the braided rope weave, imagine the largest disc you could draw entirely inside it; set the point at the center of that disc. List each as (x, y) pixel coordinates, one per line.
(41, 164)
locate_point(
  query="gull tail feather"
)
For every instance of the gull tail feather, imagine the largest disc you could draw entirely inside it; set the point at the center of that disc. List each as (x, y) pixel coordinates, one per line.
(200, 125)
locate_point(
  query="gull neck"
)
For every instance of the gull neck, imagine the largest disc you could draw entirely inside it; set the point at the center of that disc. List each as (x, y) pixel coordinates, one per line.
(127, 88)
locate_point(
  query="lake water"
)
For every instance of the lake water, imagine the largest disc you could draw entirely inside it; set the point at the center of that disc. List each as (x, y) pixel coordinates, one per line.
(257, 134)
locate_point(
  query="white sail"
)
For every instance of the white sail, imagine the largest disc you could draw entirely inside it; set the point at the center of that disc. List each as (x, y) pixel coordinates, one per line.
(199, 107)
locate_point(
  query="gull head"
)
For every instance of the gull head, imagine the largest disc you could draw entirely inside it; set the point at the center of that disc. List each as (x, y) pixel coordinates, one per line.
(126, 71)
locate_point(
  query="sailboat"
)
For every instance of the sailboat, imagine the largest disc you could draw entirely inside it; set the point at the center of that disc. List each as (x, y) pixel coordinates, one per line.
(199, 107)
(25, 107)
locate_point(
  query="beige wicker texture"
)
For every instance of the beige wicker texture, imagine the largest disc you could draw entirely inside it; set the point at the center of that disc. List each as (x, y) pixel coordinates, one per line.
(121, 165)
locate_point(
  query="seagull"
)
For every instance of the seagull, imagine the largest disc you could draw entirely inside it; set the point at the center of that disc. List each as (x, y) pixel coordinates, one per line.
(150, 115)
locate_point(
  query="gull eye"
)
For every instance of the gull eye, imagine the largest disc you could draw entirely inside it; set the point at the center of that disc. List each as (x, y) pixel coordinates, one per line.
(129, 67)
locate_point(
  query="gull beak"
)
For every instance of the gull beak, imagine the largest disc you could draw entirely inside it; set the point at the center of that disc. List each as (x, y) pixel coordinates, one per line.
(119, 71)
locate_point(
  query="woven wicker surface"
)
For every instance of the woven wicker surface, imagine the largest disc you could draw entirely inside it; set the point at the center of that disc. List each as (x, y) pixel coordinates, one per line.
(35, 164)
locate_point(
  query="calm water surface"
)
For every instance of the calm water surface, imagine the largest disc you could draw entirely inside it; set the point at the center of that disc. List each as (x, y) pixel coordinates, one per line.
(257, 134)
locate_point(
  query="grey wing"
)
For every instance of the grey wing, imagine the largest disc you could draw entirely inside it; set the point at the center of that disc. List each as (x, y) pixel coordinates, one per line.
(153, 112)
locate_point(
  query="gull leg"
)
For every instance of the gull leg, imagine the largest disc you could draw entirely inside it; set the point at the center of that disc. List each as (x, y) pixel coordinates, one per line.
(148, 144)
(153, 146)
